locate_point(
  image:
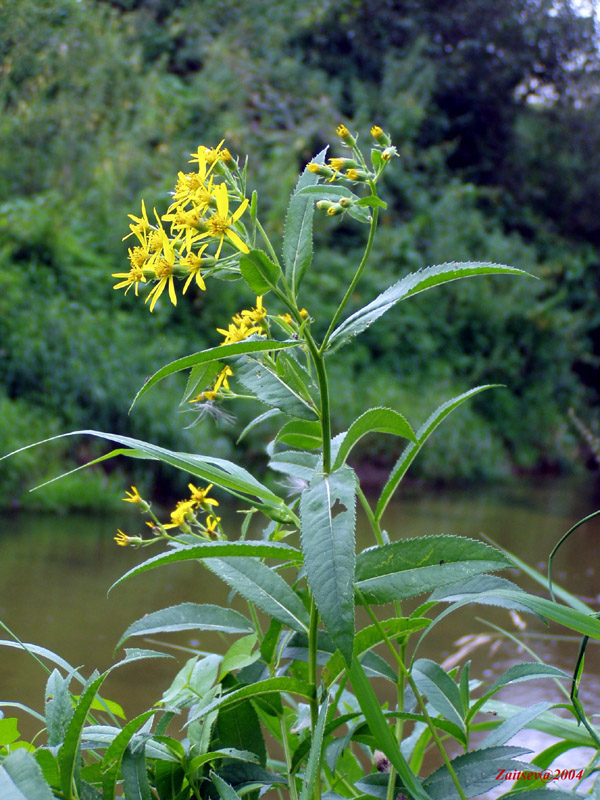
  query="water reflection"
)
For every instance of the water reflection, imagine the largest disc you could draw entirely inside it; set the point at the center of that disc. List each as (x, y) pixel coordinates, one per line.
(55, 572)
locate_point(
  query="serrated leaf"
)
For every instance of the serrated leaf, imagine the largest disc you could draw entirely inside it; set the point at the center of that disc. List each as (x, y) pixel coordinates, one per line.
(375, 420)
(380, 729)
(294, 464)
(58, 707)
(476, 771)
(263, 587)
(441, 691)
(412, 450)
(327, 191)
(312, 773)
(135, 778)
(328, 518)
(212, 354)
(272, 412)
(224, 473)
(201, 376)
(548, 722)
(297, 237)
(368, 638)
(410, 285)
(217, 549)
(259, 272)
(410, 567)
(226, 792)
(510, 727)
(271, 388)
(21, 778)
(480, 589)
(301, 433)
(189, 616)
(113, 757)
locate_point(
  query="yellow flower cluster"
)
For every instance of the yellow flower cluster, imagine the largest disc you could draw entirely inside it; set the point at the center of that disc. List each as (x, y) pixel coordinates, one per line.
(199, 218)
(184, 517)
(243, 324)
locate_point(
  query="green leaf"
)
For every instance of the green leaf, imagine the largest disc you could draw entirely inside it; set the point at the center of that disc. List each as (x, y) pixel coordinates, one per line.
(294, 464)
(239, 727)
(476, 771)
(135, 779)
(259, 272)
(441, 691)
(189, 616)
(301, 433)
(21, 778)
(217, 549)
(380, 729)
(58, 708)
(548, 722)
(212, 354)
(200, 377)
(240, 654)
(518, 673)
(272, 412)
(224, 473)
(297, 237)
(412, 450)
(256, 690)
(312, 773)
(380, 420)
(328, 518)
(226, 792)
(510, 727)
(9, 730)
(68, 758)
(370, 637)
(586, 624)
(272, 388)
(43, 652)
(410, 567)
(263, 587)
(411, 284)
(372, 200)
(327, 191)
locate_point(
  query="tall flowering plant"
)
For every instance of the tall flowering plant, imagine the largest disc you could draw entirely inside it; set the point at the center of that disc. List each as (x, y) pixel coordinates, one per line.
(290, 705)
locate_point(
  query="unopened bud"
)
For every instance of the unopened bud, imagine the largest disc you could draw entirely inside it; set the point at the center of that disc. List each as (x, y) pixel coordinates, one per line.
(382, 762)
(345, 135)
(345, 202)
(335, 210)
(320, 169)
(380, 136)
(357, 175)
(324, 205)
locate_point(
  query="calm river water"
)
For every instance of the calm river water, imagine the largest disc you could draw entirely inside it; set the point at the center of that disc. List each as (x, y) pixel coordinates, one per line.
(55, 572)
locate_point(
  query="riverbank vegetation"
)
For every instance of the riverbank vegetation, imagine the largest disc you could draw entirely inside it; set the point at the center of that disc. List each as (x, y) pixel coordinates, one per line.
(494, 112)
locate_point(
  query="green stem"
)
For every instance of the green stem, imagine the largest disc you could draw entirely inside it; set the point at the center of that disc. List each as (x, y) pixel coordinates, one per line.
(319, 363)
(370, 515)
(267, 242)
(313, 640)
(408, 677)
(357, 275)
(288, 758)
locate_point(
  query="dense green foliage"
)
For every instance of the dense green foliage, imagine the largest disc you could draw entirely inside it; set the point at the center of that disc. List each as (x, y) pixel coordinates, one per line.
(494, 113)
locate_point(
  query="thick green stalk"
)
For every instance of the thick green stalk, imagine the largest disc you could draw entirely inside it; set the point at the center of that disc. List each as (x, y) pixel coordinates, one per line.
(319, 363)
(370, 516)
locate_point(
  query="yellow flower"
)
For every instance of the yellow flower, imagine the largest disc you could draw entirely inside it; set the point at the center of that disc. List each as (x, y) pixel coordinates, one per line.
(199, 496)
(203, 396)
(163, 269)
(133, 496)
(193, 262)
(184, 510)
(134, 277)
(342, 131)
(211, 155)
(238, 332)
(140, 225)
(122, 539)
(220, 223)
(212, 524)
(225, 373)
(287, 318)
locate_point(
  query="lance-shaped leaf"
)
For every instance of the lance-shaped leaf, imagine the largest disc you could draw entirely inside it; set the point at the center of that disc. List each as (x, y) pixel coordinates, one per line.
(412, 566)
(328, 517)
(411, 284)
(375, 420)
(441, 691)
(297, 465)
(259, 272)
(301, 433)
(224, 473)
(297, 237)
(412, 450)
(21, 778)
(263, 587)
(189, 616)
(327, 191)
(312, 774)
(476, 771)
(212, 354)
(218, 549)
(273, 389)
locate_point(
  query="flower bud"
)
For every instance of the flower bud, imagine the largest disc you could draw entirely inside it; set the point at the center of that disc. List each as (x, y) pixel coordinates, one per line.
(324, 205)
(345, 202)
(335, 210)
(357, 175)
(320, 169)
(380, 136)
(345, 135)
(388, 153)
